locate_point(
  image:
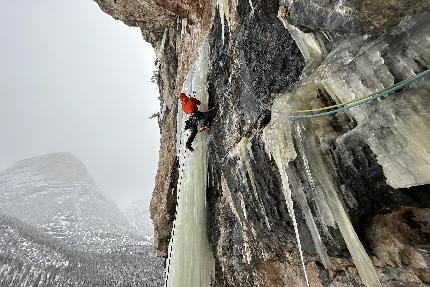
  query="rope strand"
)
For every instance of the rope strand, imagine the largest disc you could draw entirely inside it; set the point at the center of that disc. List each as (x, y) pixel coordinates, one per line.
(354, 103)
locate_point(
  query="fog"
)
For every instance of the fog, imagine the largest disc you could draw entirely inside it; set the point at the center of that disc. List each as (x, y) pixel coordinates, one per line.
(74, 79)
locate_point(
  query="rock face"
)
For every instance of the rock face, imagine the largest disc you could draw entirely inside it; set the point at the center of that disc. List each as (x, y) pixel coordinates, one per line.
(58, 230)
(351, 188)
(399, 239)
(351, 17)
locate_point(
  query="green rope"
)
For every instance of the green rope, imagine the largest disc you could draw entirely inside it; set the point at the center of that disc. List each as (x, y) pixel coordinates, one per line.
(359, 102)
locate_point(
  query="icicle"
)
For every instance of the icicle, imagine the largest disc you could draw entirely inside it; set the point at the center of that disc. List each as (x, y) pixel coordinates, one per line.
(227, 11)
(310, 222)
(311, 50)
(287, 194)
(359, 256)
(184, 22)
(324, 214)
(320, 203)
(279, 143)
(190, 260)
(221, 9)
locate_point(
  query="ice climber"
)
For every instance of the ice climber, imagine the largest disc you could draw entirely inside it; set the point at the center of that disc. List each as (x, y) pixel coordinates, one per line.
(190, 107)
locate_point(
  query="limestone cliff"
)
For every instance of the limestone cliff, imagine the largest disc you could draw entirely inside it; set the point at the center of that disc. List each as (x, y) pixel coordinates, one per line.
(351, 188)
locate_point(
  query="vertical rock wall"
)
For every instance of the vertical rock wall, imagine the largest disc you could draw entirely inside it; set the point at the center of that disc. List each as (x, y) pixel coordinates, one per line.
(374, 159)
(365, 152)
(176, 30)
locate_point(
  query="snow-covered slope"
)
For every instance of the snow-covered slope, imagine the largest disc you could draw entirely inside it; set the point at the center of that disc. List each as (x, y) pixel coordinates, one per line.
(31, 257)
(138, 216)
(56, 193)
(57, 225)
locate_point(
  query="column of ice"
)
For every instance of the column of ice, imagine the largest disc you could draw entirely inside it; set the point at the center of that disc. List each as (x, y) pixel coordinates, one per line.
(190, 262)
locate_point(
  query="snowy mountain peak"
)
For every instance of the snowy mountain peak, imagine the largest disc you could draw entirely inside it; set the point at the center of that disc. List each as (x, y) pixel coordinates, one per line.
(55, 192)
(64, 167)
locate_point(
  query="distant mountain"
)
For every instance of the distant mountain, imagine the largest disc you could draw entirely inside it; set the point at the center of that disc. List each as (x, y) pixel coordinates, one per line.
(138, 216)
(57, 229)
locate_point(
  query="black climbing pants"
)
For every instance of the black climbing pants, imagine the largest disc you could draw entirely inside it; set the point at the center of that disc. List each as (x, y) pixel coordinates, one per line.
(193, 123)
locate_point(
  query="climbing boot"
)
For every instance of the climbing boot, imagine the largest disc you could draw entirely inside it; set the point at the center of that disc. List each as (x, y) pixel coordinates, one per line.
(189, 147)
(205, 128)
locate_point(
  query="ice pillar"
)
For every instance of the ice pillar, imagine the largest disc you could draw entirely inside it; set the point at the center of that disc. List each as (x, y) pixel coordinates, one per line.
(190, 260)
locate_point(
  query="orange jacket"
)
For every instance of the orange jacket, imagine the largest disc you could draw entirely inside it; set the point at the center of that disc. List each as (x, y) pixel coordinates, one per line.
(189, 104)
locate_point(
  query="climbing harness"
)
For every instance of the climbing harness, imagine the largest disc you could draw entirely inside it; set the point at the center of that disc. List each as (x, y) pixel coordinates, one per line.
(351, 104)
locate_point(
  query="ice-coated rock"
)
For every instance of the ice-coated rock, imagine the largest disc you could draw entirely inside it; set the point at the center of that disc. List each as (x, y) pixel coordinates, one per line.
(337, 173)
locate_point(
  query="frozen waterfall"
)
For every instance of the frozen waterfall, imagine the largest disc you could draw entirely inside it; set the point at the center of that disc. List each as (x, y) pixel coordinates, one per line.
(190, 260)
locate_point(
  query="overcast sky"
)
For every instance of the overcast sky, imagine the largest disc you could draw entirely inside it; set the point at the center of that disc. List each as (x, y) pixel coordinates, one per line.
(74, 79)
